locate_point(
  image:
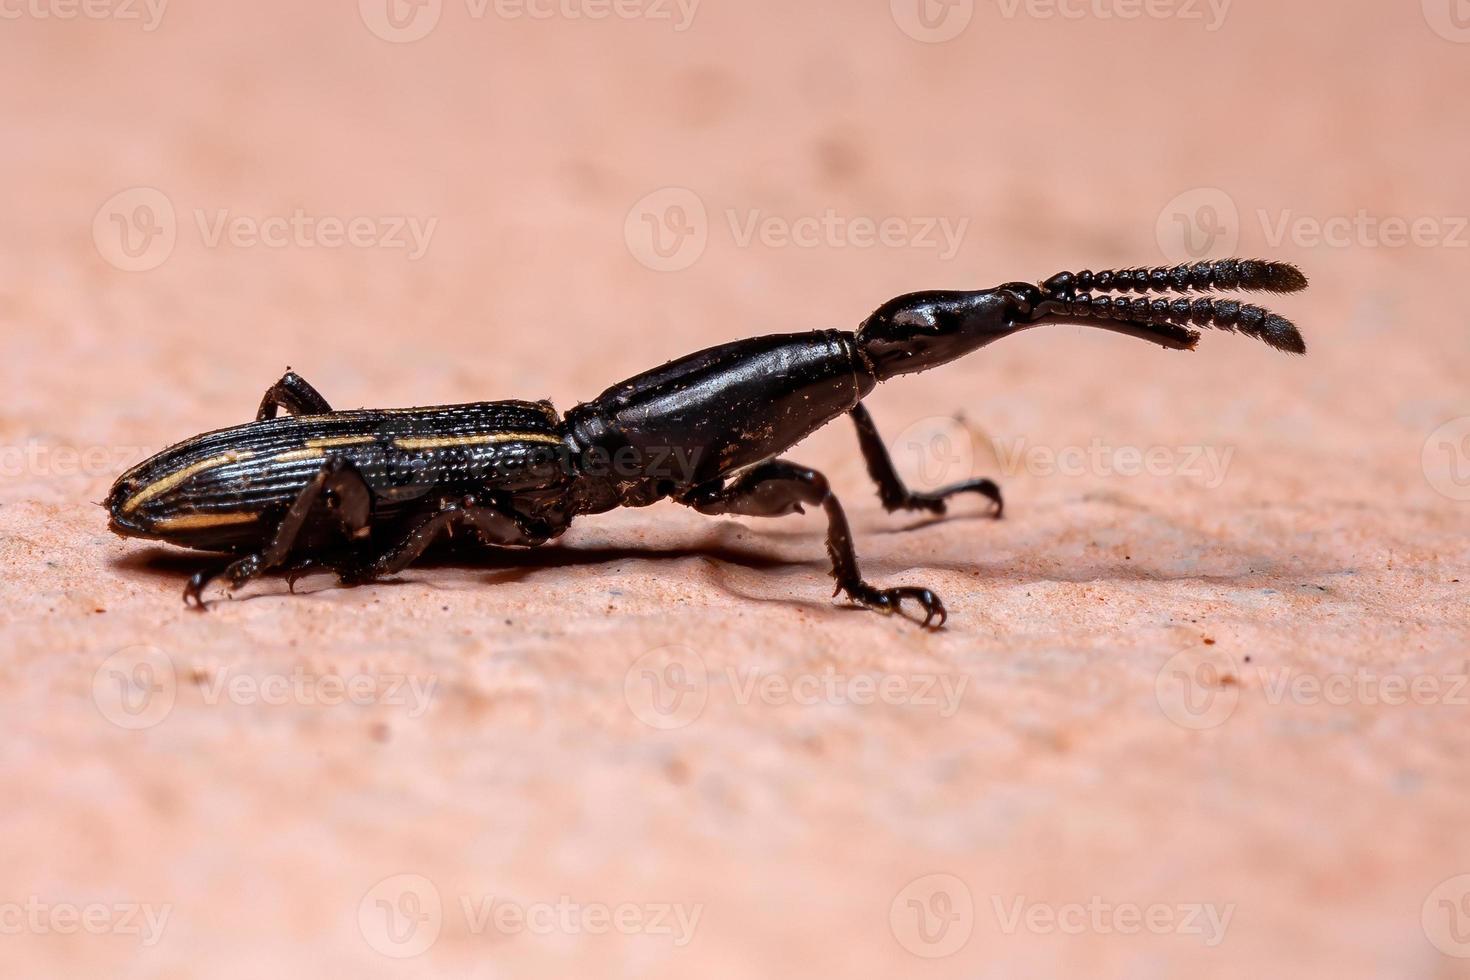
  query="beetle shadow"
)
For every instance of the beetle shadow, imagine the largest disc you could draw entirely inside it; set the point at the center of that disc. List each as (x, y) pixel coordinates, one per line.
(504, 565)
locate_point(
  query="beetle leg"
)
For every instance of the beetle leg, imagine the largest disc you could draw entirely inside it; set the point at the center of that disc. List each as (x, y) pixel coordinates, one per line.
(492, 526)
(294, 395)
(780, 487)
(893, 493)
(346, 494)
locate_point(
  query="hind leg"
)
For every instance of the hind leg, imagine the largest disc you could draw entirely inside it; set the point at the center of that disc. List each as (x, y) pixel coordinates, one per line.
(780, 487)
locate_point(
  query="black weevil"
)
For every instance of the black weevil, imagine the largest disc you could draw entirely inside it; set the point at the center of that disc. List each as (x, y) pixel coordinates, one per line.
(365, 492)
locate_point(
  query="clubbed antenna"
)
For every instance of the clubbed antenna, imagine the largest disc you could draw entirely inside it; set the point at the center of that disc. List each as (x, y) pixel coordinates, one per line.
(1220, 314)
(1220, 275)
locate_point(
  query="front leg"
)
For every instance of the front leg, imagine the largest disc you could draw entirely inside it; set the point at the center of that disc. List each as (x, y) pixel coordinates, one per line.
(294, 395)
(781, 487)
(347, 495)
(891, 490)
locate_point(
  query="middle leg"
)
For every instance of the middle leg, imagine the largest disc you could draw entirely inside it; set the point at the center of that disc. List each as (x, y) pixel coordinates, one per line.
(492, 525)
(891, 490)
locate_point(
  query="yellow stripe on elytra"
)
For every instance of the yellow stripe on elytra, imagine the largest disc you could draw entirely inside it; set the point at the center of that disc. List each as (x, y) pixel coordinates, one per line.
(298, 454)
(167, 483)
(446, 442)
(339, 441)
(316, 448)
(189, 522)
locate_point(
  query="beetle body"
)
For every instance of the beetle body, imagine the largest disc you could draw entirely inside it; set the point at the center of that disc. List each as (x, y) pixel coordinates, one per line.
(226, 490)
(365, 492)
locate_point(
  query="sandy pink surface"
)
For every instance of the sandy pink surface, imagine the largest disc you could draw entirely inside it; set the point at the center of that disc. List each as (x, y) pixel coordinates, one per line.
(1201, 706)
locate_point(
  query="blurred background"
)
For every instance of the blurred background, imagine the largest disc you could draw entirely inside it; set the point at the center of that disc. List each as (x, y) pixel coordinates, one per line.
(1200, 704)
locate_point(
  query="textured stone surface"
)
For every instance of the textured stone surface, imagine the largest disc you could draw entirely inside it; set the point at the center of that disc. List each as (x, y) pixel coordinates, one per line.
(1109, 726)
